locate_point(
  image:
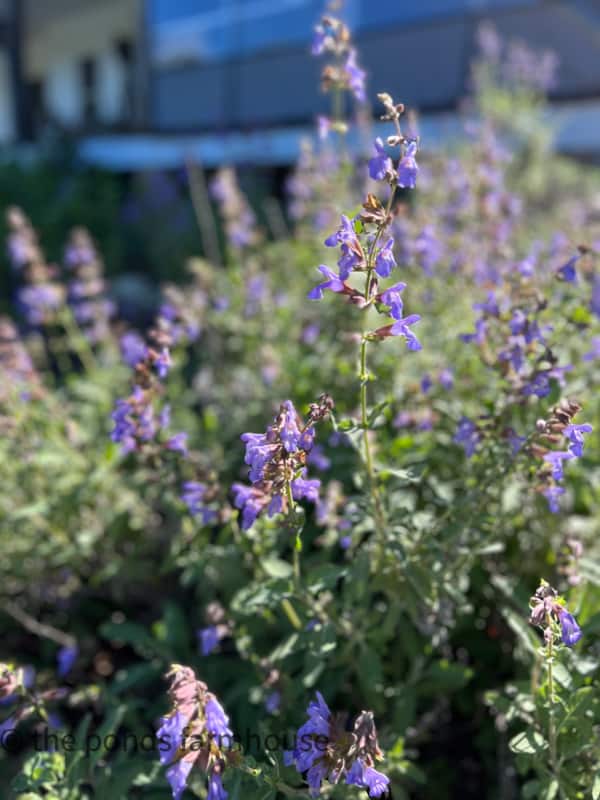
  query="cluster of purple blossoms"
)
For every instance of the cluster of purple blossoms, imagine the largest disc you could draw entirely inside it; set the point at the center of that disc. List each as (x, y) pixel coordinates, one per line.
(365, 248)
(199, 499)
(17, 372)
(238, 218)
(325, 750)
(40, 296)
(510, 336)
(468, 436)
(548, 612)
(514, 65)
(277, 461)
(86, 291)
(195, 733)
(555, 430)
(135, 420)
(332, 37)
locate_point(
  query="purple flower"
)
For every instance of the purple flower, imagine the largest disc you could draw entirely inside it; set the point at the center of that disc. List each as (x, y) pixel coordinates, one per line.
(306, 752)
(133, 348)
(177, 775)
(323, 126)
(571, 632)
(66, 657)
(467, 436)
(124, 427)
(272, 702)
(574, 434)
(428, 249)
(594, 353)
(333, 283)
(215, 787)
(192, 496)
(538, 385)
(408, 168)
(367, 778)
(385, 261)
(162, 363)
(380, 166)
(595, 298)
(306, 489)
(318, 459)
(490, 306)
(290, 432)
(555, 459)
(392, 297)
(567, 271)
(178, 443)
(208, 639)
(515, 441)
(248, 502)
(479, 336)
(356, 76)
(401, 328)
(552, 494)
(426, 383)
(169, 736)
(446, 379)
(217, 720)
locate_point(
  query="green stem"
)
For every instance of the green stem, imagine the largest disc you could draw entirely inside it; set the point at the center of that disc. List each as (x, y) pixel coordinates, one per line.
(554, 763)
(298, 540)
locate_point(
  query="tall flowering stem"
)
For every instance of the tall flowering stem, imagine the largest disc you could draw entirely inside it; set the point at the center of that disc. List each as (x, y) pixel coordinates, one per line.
(277, 461)
(360, 243)
(560, 629)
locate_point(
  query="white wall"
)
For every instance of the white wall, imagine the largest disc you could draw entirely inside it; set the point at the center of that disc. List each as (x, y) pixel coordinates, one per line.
(60, 36)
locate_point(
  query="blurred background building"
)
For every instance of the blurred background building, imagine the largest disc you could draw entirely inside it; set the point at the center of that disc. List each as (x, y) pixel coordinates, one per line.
(148, 83)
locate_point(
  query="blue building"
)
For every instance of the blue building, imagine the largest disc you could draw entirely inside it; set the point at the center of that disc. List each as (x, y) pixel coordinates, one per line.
(233, 80)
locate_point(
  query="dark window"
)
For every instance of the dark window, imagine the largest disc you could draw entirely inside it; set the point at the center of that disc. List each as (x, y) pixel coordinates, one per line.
(88, 83)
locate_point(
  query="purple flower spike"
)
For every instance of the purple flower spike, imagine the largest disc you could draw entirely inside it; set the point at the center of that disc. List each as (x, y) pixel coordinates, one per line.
(356, 77)
(571, 632)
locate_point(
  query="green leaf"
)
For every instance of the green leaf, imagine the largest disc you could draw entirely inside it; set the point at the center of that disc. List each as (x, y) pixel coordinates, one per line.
(276, 567)
(528, 743)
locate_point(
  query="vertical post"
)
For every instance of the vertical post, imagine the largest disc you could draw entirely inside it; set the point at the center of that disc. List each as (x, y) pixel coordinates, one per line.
(141, 67)
(22, 117)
